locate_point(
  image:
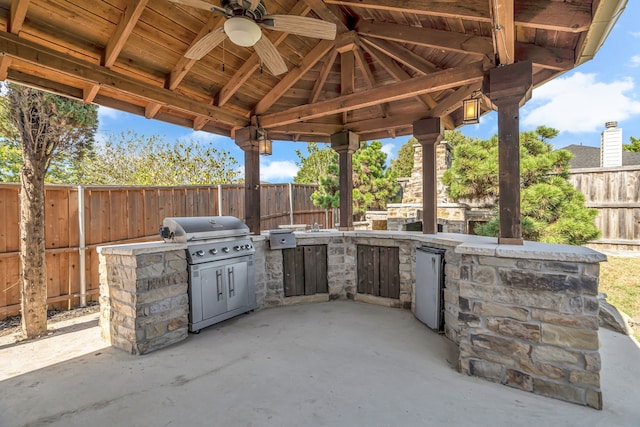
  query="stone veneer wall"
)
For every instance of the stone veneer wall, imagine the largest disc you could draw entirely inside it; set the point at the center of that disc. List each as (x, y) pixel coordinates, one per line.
(143, 295)
(524, 316)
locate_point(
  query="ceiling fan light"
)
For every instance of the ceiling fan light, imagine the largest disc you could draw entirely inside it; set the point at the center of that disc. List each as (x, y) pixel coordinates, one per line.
(242, 31)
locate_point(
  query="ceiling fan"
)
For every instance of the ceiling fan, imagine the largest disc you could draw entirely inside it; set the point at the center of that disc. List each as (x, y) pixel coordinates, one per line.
(242, 28)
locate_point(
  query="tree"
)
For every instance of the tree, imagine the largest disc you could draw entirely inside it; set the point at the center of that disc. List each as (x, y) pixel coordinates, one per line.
(131, 159)
(403, 165)
(47, 125)
(634, 146)
(552, 210)
(315, 165)
(373, 183)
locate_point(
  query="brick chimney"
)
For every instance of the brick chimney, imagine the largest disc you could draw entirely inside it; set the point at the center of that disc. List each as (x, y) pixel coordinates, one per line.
(611, 146)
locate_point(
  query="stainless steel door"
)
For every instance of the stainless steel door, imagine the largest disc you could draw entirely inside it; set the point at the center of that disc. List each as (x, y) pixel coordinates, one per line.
(429, 282)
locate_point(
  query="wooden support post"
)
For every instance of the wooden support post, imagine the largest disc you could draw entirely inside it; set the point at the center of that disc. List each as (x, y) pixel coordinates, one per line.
(509, 87)
(429, 132)
(345, 144)
(246, 139)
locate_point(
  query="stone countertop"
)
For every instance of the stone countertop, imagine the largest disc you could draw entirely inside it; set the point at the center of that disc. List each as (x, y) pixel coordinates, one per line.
(141, 248)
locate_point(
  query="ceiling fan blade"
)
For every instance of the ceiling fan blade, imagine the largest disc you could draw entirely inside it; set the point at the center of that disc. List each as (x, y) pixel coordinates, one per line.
(199, 4)
(206, 44)
(253, 4)
(301, 26)
(270, 56)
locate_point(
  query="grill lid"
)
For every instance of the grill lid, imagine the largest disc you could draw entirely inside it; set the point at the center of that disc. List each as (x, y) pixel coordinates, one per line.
(185, 229)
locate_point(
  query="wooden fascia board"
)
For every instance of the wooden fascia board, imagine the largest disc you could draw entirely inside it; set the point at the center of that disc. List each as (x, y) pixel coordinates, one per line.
(117, 40)
(293, 76)
(49, 59)
(436, 39)
(17, 15)
(504, 30)
(441, 80)
(251, 65)
(550, 15)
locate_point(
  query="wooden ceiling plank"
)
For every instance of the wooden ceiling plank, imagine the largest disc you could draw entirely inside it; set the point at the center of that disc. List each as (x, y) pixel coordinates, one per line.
(17, 15)
(253, 63)
(436, 39)
(324, 73)
(504, 30)
(184, 65)
(402, 55)
(470, 9)
(441, 80)
(293, 76)
(551, 15)
(126, 25)
(55, 62)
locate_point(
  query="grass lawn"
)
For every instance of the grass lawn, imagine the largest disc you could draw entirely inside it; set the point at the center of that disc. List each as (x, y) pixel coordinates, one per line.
(620, 280)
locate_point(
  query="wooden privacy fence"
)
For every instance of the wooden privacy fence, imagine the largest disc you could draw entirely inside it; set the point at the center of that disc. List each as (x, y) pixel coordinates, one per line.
(79, 219)
(615, 193)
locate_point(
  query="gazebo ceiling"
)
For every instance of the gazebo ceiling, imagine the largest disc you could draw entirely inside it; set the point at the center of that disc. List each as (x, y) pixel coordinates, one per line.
(392, 62)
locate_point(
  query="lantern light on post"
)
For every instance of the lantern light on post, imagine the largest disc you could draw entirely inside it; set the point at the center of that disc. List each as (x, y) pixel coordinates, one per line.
(264, 143)
(471, 110)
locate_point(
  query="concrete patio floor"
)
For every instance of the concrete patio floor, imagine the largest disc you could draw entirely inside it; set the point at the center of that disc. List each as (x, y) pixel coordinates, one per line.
(338, 363)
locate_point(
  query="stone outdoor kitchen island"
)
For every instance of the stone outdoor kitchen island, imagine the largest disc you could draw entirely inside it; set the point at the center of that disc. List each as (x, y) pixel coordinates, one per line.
(524, 316)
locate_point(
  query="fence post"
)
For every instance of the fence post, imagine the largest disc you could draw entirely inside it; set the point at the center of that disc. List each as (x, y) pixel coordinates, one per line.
(290, 203)
(82, 248)
(219, 199)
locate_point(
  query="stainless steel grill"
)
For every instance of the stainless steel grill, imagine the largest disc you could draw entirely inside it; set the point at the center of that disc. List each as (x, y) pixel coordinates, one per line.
(220, 266)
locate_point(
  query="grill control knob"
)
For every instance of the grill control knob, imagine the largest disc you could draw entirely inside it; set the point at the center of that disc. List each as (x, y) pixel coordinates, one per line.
(225, 250)
(200, 253)
(237, 247)
(213, 251)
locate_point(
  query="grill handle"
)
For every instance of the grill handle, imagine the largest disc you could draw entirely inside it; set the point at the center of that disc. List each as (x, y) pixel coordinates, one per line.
(219, 284)
(232, 284)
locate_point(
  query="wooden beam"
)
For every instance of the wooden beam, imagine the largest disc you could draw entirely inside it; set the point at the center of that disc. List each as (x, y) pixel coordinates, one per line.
(453, 102)
(5, 63)
(293, 76)
(369, 80)
(89, 92)
(551, 15)
(347, 76)
(326, 14)
(151, 109)
(504, 30)
(199, 123)
(126, 25)
(552, 58)
(184, 65)
(17, 15)
(441, 80)
(48, 59)
(253, 63)
(437, 39)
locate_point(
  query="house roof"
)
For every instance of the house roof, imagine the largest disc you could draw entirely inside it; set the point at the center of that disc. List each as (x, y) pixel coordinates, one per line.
(589, 157)
(391, 63)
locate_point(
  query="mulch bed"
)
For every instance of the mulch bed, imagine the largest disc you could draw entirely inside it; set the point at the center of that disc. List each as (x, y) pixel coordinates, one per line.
(11, 325)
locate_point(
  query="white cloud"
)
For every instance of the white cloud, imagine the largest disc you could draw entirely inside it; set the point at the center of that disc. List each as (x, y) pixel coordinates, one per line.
(107, 113)
(278, 171)
(635, 61)
(388, 149)
(636, 34)
(579, 103)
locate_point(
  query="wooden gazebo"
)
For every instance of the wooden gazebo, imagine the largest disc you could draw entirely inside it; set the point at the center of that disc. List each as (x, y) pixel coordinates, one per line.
(382, 68)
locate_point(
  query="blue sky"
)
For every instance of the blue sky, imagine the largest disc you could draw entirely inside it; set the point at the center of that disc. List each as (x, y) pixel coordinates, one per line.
(578, 104)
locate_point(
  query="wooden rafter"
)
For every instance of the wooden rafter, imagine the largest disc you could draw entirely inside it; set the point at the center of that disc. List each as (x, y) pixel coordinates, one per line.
(437, 39)
(476, 10)
(5, 62)
(326, 14)
(324, 73)
(293, 76)
(17, 15)
(45, 58)
(435, 82)
(504, 30)
(402, 55)
(369, 80)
